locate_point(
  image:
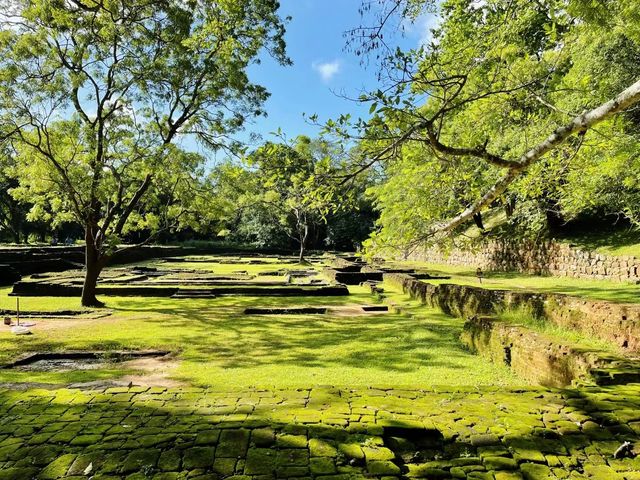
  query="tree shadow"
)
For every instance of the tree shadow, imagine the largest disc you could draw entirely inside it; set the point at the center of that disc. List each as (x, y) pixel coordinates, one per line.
(235, 340)
(214, 337)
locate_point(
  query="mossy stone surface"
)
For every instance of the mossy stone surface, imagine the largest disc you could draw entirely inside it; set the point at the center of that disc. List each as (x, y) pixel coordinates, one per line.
(454, 440)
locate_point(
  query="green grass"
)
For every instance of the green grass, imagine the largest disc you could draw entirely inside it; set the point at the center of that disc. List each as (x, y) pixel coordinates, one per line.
(594, 289)
(524, 316)
(624, 242)
(41, 304)
(218, 345)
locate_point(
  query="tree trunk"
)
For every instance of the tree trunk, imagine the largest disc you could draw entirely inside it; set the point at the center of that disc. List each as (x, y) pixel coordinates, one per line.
(303, 242)
(93, 267)
(510, 206)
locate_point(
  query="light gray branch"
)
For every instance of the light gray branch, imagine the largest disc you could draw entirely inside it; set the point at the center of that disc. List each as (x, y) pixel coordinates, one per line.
(579, 124)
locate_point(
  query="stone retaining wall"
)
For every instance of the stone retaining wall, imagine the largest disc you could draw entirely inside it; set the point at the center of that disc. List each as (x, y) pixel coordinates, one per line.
(541, 258)
(28, 260)
(613, 322)
(530, 355)
(541, 360)
(348, 277)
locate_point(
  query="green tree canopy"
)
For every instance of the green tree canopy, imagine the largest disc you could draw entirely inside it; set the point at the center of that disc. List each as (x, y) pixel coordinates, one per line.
(95, 94)
(511, 100)
(285, 189)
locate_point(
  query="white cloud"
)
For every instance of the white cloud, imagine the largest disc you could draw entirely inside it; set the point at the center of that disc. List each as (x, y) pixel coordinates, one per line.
(425, 23)
(327, 70)
(419, 28)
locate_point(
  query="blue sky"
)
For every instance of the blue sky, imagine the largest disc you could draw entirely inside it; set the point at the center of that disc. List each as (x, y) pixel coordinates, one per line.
(321, 71)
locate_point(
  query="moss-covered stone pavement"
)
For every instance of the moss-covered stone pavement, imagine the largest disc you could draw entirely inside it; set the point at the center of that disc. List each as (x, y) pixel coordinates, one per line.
(323, 432)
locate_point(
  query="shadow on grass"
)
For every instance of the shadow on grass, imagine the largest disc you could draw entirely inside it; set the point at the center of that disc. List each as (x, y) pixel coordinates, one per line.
(217, 343)
(227, 338)
(607, 239)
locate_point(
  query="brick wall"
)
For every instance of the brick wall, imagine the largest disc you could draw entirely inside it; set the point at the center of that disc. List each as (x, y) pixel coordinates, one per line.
(541, 360)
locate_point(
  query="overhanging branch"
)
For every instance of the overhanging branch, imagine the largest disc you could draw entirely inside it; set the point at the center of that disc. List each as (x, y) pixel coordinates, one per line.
(579, 124)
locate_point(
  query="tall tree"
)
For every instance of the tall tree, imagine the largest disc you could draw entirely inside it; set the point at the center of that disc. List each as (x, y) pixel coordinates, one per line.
(13, 215)
(286, 188)
(95, 93)
(507, 93)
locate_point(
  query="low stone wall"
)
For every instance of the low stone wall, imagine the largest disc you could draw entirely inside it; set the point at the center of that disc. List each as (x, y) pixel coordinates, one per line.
(36, 289)
(44, 289)
(344, 275)
(28, 260)
(8, 274)
(540, 258)
(619, 323)
(613, 322)
(463, 300)
(541, 360)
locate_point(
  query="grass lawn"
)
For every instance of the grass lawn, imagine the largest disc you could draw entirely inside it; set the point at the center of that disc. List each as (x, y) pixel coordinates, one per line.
(618, 242)
(439, 411)
(217, 345)
(595, 289)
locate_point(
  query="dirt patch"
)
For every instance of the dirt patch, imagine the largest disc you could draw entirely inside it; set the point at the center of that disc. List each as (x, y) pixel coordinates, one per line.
(78, 360)
(155, 372)
(151, 372)
(46, 324)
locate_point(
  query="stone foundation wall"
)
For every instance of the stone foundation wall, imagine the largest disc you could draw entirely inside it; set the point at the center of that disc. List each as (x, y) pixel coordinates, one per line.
(348, 277)
(28, 260)
(20, 261)
(613, 322)
(541, 360)
(530, 355)
(540, 258)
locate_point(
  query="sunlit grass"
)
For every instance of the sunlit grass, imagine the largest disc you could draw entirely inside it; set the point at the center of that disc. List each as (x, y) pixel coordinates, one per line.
(43, 304)
(619, 242)
(524, 316)
(216, 344)
(595, 289)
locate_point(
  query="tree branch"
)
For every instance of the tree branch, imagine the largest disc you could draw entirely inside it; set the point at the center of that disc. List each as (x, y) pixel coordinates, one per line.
(579, 124)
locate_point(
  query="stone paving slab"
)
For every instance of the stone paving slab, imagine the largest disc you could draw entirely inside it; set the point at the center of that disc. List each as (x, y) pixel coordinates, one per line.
(323, 432)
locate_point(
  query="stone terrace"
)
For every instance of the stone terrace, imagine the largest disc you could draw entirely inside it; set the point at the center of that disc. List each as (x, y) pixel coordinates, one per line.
(162, 434)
